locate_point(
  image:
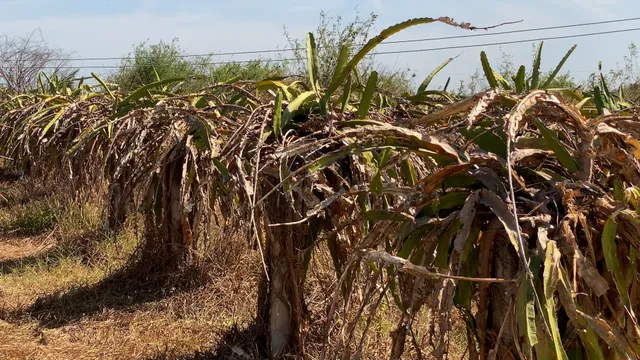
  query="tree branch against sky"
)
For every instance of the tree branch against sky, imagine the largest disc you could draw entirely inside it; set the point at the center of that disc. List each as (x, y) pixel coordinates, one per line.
(22, 59)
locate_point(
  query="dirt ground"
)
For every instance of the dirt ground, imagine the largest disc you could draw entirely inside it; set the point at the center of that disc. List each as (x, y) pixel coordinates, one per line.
(59, 308)
(62, 295)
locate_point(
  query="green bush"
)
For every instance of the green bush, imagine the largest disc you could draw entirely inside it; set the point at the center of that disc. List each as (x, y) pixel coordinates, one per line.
(251, 71)
(509, 71)
(35, 218)
(330, 35)
(150, 62)
(153, 62)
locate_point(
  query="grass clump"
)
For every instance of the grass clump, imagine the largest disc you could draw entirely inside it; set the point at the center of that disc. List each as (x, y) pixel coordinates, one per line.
(30, 219)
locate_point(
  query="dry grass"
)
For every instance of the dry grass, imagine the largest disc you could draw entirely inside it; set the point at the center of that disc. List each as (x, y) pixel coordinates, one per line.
(378, 343)
(120, 326)
(64, 295)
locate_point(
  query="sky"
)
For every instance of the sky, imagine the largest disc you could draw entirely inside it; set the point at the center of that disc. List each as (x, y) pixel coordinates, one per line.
(111, 28)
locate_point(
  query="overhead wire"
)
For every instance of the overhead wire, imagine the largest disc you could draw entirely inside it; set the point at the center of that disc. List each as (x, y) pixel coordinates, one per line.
(453, 47)
(252, 52)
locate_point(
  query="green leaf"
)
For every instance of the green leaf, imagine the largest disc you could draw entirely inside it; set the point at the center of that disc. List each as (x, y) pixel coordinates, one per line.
(199, 102)
(343, 57)
(356, 123)
(202, 134)
(450, 200)
(104, 86)
(524, 142)
(355, 148)
(588, 336)
(52, 122)
(609, 249)
(329, 159)
(295, 105)
(143, 91)
(393, 287)
(526, 311)
(547, 175)
(339, 78)
(550, 280)
(519, 80)
(276, 86)
(430, 77)
(557, 69)
(584, 101)
(412, 241)
(312, 61)
(86, 135)
(376, 215)
(446, 85)
(605, 89)
(487, 139)
(569, 93)
(621, 99)
(41, 84)
(551, 273)
(618, 191)
(356, 75)
(591, 344)
(277, 115)
(409, 172)
(49, 82)
(459, 181)
(558, 148)
(40, 114)
(346, 93)
(598, 100)
(423, 96)
(369, 90)
(232, 80)
(535, 75)
(221, 168)
(283, 170)
(505, 84)
(385, 155)
(155, 72)
(444, 243)
(488, 72)
(469, 268)
(376, 184)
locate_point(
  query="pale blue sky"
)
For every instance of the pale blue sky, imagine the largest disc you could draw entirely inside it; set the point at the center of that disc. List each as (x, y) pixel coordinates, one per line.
(112, 27)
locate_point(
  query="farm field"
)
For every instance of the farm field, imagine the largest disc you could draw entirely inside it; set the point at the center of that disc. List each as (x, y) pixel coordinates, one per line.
(320, 216)
(59, 300)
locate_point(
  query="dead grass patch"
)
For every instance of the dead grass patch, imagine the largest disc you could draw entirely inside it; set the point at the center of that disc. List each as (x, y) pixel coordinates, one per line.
(73, 292)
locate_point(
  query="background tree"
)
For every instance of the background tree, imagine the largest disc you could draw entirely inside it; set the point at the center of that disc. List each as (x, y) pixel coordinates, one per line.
(152, 62)
(22, 59)
(330, 35)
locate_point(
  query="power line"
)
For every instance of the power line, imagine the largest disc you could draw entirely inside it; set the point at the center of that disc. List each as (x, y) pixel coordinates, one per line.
(510, 42)
(377, 53)
(252, 52)
(556, 27)
(154, 65)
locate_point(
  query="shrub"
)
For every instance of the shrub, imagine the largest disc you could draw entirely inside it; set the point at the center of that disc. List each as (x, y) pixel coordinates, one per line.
(330, 35)
(153, 62)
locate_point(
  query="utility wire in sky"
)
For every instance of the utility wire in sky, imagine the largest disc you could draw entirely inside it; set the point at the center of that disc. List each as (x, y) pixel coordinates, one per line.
(374, 54)
(251, 52)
